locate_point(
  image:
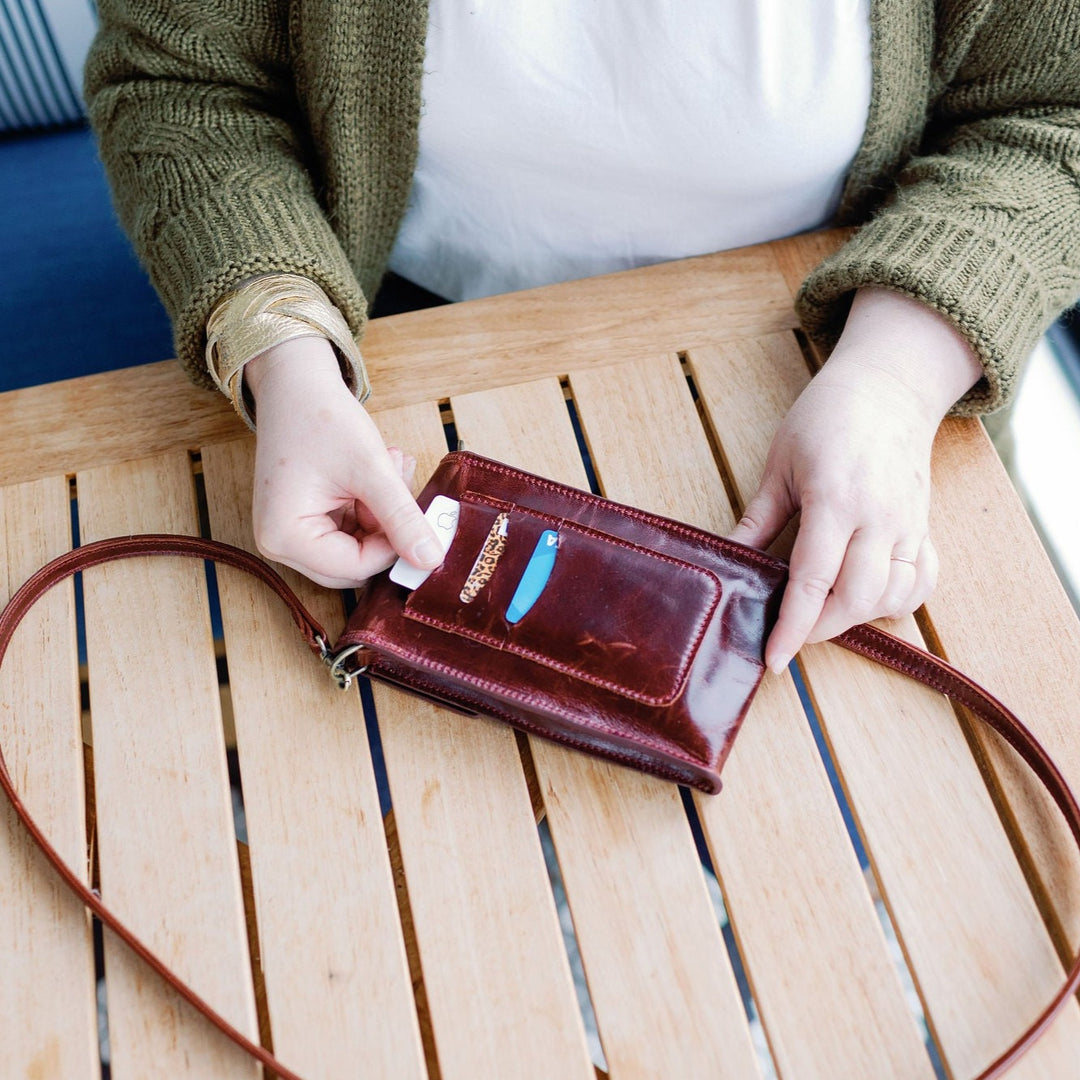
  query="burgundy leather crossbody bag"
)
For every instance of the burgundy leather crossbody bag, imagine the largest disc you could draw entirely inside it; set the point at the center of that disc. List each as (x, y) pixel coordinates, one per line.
(614, 631)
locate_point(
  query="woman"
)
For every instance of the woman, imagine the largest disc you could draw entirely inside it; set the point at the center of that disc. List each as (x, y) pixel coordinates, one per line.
(245, 143)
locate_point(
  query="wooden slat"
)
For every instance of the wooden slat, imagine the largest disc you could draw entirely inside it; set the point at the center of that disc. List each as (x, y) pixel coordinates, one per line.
(981, 957)
(164, 815)
(966, 919)
(415, 357)
(106, 418)
(1005, 619)
(48, 1022)
(312, 812)
(546, 331)
(496, 977)
(965, 603)
(798, 255)
(825, 986)
(659, 977)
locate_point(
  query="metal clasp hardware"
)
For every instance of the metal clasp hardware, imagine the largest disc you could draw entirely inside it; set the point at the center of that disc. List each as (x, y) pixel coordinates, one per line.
(335, 662)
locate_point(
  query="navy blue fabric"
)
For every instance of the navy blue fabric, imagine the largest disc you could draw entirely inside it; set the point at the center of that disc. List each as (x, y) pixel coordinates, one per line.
(73, 298)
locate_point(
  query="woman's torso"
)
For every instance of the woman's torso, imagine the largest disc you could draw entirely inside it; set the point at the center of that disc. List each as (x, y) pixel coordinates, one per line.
(579, 137)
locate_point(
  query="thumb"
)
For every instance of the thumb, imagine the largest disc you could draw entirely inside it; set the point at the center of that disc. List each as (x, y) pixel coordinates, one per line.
(764, 518)
(391, 504)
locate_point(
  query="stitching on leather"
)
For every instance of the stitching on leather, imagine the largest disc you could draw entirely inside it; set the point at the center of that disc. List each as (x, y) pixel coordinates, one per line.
(374, 637)
(693, 641)
(587, 530)
(657, 769)
(557, 665)
(950, 686)
(729, 547)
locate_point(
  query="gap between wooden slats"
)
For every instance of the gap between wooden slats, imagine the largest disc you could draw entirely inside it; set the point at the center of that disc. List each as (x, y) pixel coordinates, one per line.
(495, 973)
(966, 601)
(659, 977)
(48, 1024)
(826, 989)
(994, 574)
(164, 817)
(981, 957)
(337, 982)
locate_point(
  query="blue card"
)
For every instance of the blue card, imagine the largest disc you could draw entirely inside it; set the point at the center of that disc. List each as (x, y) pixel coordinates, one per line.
(535, 576)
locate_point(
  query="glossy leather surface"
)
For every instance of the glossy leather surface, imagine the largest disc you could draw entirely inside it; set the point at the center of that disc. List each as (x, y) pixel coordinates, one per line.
(645, 646)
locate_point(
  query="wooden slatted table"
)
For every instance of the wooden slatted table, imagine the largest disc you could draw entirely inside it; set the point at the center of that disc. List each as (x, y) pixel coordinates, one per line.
(427, 941)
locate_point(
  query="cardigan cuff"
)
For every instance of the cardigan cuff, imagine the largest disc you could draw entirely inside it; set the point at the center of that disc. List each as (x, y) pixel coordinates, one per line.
(979, 284)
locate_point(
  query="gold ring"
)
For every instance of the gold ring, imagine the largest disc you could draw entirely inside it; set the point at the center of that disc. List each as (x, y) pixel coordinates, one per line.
(900, 558)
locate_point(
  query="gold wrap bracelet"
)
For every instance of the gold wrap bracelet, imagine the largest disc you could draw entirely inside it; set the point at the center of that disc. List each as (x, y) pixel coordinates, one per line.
(266, 311)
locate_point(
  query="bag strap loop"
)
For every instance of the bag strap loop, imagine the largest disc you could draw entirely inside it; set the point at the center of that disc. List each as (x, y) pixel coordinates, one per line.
(103, 551)
(868, 641)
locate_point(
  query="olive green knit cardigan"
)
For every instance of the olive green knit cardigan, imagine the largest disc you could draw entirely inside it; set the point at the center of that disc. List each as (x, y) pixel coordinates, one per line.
(246, 137)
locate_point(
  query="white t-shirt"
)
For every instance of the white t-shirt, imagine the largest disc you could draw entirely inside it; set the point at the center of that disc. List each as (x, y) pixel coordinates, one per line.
(565, 138)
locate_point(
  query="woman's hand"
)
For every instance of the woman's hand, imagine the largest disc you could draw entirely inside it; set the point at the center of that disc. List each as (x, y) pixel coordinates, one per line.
(853, 457)
(330, 500)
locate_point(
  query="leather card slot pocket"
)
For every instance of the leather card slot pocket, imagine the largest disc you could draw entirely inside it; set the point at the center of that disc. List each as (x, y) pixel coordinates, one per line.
(612, 613)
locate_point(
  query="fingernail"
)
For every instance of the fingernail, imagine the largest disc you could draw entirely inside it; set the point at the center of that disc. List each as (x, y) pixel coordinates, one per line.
(778, 664)
(428, 552)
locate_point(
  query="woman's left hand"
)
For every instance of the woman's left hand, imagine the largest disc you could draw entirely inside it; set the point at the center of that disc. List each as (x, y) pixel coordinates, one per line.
(852, 456)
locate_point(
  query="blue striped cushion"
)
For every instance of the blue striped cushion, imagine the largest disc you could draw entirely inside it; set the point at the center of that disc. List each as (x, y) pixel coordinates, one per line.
(43, 45)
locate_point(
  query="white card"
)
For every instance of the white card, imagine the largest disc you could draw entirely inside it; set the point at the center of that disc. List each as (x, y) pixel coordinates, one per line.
(442, 515)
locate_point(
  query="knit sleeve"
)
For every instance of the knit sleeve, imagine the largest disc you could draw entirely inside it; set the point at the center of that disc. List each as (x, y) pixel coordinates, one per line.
(984, 222)
(212, 176)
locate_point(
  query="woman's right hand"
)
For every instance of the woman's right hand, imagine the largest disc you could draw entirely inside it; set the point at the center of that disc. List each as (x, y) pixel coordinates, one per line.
(330, 499)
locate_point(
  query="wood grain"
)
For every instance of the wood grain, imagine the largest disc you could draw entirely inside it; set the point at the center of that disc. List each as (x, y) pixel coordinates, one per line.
(661, 985)
(164, 814)
(415, 357)
(796, 256)
(496, 978)
(825, 986)
(107, 418)
(312, 812)
(1004, 618)
(952, 888)
(48, 1017)
(488, 944)
(544, 332)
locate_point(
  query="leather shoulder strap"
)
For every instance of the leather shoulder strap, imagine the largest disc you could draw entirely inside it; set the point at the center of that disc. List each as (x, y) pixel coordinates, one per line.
(934, 672)
(20, 603)
(866, 640)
